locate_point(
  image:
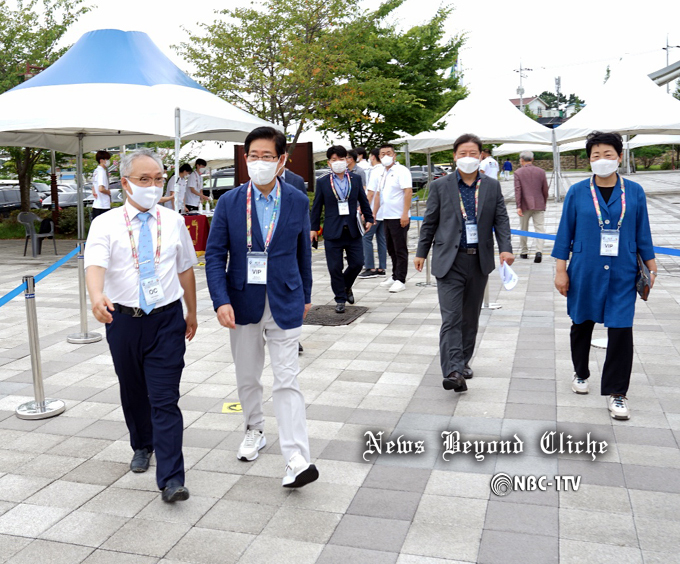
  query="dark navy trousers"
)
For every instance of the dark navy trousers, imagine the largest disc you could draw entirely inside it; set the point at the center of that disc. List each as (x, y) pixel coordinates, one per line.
(148, 355)
(340, 280)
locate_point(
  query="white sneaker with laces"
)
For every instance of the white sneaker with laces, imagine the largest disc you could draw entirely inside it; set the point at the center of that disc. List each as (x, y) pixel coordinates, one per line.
(397, 287)
(253, 442)
(387, 282)
(299, 472)
(618, 406)
(579, 385)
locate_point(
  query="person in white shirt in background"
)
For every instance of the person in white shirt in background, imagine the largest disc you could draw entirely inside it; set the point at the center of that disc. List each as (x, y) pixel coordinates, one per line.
(393, 206)
(363, 160)
(177, 185)
(137, 277)
(373, 175)
(100, 184)
(194, 194)
(489, 165)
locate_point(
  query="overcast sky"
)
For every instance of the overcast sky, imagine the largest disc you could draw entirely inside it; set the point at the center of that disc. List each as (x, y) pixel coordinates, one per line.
(571, 40)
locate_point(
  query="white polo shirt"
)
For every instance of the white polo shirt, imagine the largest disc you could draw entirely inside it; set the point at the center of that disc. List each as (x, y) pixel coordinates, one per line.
(195, 181)
(489, 166)
(390, 184)
(100, 177)
(108, 246)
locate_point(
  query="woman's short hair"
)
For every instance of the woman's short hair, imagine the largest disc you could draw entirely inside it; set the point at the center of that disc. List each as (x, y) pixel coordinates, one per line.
(600, 138)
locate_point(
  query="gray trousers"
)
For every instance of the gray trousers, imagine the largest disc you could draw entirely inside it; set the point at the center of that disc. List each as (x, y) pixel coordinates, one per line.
(247, 348)
(461, 292)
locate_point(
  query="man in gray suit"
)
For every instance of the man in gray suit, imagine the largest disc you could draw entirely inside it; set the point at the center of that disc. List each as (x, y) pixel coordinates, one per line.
(463, 209)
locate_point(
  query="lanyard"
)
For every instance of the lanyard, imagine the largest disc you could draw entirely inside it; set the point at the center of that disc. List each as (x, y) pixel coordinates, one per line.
(135, 255)
(349, 187)
(597, 204)
(462, 207)
(249, 217)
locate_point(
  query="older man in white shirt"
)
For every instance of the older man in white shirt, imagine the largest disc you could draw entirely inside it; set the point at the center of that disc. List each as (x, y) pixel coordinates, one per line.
(139, 260)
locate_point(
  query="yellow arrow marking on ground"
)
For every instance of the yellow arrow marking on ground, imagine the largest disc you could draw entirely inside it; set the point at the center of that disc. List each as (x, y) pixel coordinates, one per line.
(232, 408)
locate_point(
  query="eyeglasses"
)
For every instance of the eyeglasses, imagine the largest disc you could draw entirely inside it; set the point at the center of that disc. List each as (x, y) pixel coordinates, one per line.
(146, 181)
(265, 158)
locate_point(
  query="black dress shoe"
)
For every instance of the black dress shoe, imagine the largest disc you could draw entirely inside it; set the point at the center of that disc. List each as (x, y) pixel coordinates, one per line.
(340, 308)
(455, 382)
(140, 461)
(300, 349)
(174, 491)
(467, 372)
(350, 295)
(538, 257)
(524, 256)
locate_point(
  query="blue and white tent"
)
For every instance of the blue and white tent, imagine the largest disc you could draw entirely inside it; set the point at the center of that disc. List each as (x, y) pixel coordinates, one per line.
(114, 88)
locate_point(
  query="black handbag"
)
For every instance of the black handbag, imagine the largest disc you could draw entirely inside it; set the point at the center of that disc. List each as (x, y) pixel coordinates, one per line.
(643, 280)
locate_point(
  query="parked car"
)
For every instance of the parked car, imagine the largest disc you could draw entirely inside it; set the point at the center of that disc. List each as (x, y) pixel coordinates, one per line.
(220, 182)
(419, 178)
(42, 189)
(437, 171)
(10, 199)
(68, 196)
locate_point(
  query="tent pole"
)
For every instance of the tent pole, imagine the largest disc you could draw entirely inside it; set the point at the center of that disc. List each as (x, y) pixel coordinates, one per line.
(626, 157)
(178, 133)
(429, 173)
(407, 157)
(556, 166)
(84, 337)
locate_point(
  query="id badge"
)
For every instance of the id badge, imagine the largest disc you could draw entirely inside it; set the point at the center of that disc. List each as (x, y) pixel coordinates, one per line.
(609, 243)
(471, 232)
(257, 268)
(343, 208)
(153, 291)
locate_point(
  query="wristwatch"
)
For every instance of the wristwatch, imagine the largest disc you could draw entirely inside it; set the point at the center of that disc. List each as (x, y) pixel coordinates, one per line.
(653, 272)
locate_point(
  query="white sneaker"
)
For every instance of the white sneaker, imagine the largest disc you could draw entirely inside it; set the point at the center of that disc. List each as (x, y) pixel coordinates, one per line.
(579, 385)
(397, 287)
(299, 472)
(618, 406)
(387, 282)
(253, 442)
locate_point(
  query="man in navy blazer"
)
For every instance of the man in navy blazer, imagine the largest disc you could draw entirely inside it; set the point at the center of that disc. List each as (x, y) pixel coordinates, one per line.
(262, 229)
(289, 177)
(341, 193)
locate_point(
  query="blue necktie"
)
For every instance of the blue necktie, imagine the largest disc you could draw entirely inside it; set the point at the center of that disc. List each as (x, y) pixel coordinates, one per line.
(146, 258)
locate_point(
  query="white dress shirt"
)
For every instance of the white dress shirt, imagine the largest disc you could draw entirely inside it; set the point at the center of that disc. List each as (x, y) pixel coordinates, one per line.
(108, 246)
(195, 181)
(101, 178)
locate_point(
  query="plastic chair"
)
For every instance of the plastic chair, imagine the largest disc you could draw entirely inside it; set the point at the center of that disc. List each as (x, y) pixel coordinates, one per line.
(28, 219)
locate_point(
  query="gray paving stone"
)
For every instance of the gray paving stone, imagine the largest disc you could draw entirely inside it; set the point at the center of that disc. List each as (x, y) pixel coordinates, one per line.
(26, 520)
(451, 511)
(600, 473)
(97, 472)
(370, 533)
(350, 451)
(52, 552)
(658, 535)
(14, 487)
(109, 557)
(238, 517)
(608, 528)
(69, 495)
(49, 466)
(335, 498)
(111, 430)
(302, 525)
(335, 554)
(274, 549)
(521, 518)
(139, 536)
(544, 412)
(515, 548)
(649, 478)
(655, 505)
(188, 513)
(258, 489)
(459, 543)
(575, 552)
(80, 447)
(207, 546)
(84, 528)
(385, 504)
(120, 502)
(10, 545)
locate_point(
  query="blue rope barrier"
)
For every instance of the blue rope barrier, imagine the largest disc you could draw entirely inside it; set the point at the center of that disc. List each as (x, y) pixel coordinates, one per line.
(658, 250)
(38, 277)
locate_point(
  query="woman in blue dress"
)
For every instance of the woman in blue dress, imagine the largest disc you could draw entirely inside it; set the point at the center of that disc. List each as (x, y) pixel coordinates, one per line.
(604, 226)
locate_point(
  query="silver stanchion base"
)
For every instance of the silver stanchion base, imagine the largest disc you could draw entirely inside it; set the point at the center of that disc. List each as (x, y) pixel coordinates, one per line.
(84, 338)
(32, 410)
(492, 305)
(599, 343)
(425, 284)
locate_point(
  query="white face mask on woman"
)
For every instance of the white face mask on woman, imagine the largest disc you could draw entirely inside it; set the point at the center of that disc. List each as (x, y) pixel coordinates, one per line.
(145, 198)
(604, 167)
(467, 165)
(262, 173)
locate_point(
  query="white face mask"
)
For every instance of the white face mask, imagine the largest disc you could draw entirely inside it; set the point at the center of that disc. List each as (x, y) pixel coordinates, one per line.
(262, 173)
(387, 160)
(467, 165)
(145, 198)
(339, 167)
(106, 164)
(604, 167)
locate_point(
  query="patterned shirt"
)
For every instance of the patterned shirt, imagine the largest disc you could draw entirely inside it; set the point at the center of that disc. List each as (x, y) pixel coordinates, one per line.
(468, 195)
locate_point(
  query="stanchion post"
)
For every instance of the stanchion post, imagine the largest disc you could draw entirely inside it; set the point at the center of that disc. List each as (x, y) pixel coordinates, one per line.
(83, 338)
(40, 408)
(485, 301)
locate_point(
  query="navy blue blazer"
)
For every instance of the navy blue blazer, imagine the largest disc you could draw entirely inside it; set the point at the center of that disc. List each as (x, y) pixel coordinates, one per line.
(295, 180)
(333, 221)
(289, 267)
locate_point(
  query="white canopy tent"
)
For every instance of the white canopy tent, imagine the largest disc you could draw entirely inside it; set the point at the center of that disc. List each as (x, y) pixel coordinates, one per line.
(647, 140)
(218, 154)
(512, 148)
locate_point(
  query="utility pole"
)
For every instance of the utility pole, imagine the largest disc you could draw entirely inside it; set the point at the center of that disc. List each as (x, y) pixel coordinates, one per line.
(520, 90)
(667, 48)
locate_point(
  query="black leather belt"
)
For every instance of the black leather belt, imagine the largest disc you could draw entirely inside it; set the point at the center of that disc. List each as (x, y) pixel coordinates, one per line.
(139, 312)
(467, 251)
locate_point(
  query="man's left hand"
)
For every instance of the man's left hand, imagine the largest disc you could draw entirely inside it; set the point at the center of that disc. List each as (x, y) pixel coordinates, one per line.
(405, 220)
(307, 308)
(507, 257)
(192, 326)
(368, 226)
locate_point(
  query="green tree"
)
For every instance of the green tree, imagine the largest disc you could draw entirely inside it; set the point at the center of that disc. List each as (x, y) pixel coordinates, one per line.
(648, 154)
(529, 113)
(607, 74)
(403, 81)
(29, 35)
(676, 94)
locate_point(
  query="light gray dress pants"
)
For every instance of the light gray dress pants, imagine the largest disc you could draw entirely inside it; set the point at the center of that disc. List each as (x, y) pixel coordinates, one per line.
(247, 347)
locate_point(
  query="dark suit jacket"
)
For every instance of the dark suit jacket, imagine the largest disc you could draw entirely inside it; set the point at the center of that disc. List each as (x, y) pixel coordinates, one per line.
(295, 180)
(325, 198)
(443, 223)
(289, 267)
